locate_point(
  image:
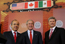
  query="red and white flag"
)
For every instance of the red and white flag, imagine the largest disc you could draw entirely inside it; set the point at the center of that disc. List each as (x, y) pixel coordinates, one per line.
(29, 5)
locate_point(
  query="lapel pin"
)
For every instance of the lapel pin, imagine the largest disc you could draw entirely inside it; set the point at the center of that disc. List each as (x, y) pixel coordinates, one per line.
(35, 34)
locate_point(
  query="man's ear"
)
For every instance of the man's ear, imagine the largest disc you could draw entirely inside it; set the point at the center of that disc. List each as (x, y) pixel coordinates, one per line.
(11, 25)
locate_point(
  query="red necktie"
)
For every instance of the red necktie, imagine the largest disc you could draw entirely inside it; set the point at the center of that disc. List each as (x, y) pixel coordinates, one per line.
(15, 36)
(30, 37)
(51, 33)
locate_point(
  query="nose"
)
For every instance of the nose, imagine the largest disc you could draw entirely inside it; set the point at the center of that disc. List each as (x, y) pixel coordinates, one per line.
(16, 25)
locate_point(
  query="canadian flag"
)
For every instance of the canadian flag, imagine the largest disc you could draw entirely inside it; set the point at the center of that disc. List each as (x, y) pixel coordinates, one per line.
(30, 5)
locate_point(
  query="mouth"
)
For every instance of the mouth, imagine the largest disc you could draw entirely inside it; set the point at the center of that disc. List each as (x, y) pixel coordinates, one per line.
(30, 26)
(16, 27)
(52, 24)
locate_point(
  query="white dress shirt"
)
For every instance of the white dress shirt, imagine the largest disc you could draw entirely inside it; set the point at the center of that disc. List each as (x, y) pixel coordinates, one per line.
(53, 29)
(29, 33)
(13, 33)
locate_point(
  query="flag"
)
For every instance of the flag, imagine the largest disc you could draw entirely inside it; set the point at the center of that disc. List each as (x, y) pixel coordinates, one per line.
(29, 5)
(44, 4)
(37, 4)
(16, 6)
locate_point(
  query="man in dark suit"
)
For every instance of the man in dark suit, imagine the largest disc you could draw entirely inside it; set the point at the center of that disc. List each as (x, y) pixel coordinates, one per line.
(55, 35)
(13, 36)
(31, 36)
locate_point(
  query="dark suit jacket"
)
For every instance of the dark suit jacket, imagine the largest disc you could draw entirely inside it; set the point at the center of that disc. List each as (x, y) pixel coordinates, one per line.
(2, 39)
(37, 38)
(58, 36)
(10, 38)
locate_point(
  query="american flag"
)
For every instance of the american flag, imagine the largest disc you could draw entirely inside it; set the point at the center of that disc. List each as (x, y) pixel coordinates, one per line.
(16, 6)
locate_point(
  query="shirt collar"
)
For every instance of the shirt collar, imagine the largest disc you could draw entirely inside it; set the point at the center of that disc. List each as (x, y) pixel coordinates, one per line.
(53, 27)
(14, 31)
(29, 31)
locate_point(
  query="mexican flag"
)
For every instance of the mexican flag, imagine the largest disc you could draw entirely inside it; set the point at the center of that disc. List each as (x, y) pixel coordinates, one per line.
(37, 4)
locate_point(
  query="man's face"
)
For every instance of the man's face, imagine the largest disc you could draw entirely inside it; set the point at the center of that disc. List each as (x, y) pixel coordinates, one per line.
(30, 25)
(52, 22)
(15, 25)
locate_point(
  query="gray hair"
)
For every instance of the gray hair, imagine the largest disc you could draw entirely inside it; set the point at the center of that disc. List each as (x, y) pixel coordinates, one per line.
(13, 20)
(52, 18)
(29, 20)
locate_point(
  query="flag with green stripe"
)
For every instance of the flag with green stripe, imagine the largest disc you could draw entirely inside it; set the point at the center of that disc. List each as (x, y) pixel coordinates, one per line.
(37, 4)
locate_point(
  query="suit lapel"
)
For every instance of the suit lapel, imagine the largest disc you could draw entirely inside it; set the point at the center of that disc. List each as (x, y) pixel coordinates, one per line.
(18, 35)
(27, 37)
(34, 36)
(53, 34)
(47, 36)
(12, 38)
